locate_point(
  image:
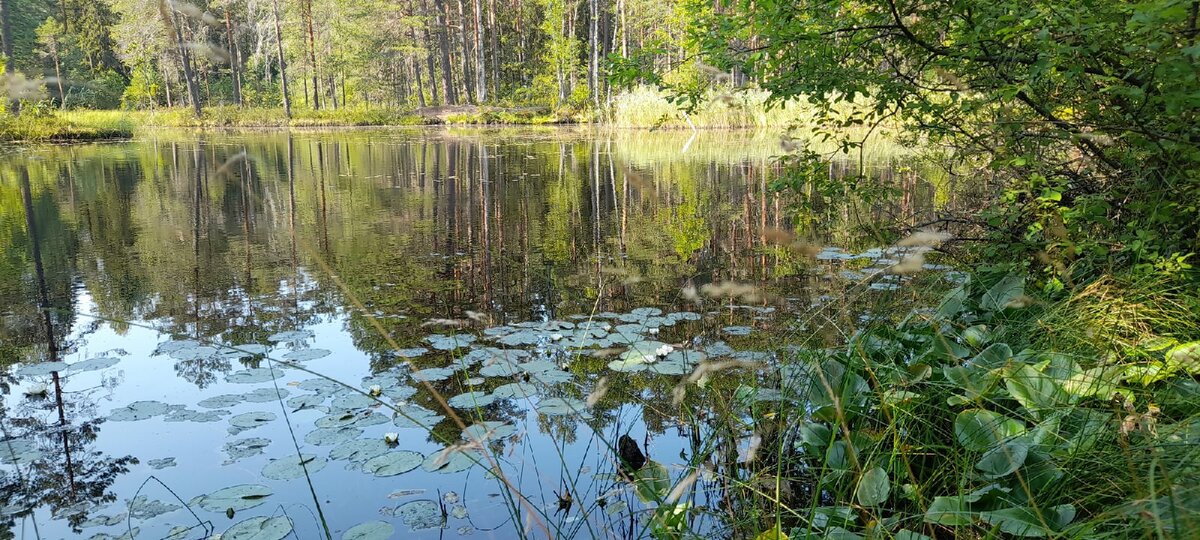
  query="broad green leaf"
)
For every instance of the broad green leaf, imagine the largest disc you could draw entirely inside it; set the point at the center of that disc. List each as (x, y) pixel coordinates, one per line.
(1002, 293)
(774, 533)
(1025, 522)
(949, 511)
(979, 429)
(652, 482)
(952, 303)
(1036, 391)
(1185, 357)
(1004, 458)
(994, 356)
(873, 488)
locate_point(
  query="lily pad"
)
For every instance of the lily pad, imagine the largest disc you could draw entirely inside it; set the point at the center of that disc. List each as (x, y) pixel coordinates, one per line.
(557, 406)
(737, 330)
(488, 431)
(422, 514)
(517, 390)
(244, 448)
(415, 416)
(471, 400)
(19, 451)
(371, 530)
(161, 463)
(92, 364)
(249, 420)
(259, 528)
(139, 410)
(354, 400)
(220, 402)
(194, 353)
(449, 343)
(142, 507)
(413, 352)
(40, 369)
(265, 395)
(358, 450)
(432, 374)
(291, 467)
(254, 375)
(306, 354)
(305, 402)
(451, 460)
(187, 415)
(238, 498)
(331, 436)
(292, 335)
(393, 463)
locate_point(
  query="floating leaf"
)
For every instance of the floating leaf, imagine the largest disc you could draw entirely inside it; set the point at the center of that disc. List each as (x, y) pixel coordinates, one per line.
(293, 467)
(139, 410)
(471, 400)
(250, 420)
(332, 435)
(161, 463)
(259, 528)
(432, 374)
(245, 448)
(451, 460)
(737, 330)
(415, 416)
(220, 402)
(557, 406)
(265, 395)
(393, 463)
(240, 497)
(306, 354)
(371, 530)
(422, 514)
(91, 364)
(358, 450)
(142, 507)
(198, 352)
(354, 400)
(488, 431)
(254, 375)
(293, 335)
(186, 415)
(449, 343)
(517, 390)
(413, 352)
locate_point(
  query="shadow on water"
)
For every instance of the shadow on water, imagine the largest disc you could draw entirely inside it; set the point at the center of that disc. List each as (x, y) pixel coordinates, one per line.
(122, 266)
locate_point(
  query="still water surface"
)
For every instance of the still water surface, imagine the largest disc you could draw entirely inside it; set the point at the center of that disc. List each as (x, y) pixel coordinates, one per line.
(363, 280)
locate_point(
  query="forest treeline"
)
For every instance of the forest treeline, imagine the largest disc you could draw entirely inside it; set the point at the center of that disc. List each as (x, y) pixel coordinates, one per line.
(329, 54)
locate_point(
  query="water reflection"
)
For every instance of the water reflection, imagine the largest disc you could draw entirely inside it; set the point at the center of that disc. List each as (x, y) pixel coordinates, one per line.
(234, 238)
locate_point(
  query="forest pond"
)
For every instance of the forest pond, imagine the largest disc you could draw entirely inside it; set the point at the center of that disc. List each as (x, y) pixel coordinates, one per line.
(429, 332)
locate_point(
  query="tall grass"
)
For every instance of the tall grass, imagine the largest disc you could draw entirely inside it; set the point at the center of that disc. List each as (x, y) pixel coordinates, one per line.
(645, 107)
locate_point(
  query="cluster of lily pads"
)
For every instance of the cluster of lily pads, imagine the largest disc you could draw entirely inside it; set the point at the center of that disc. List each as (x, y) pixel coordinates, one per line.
(529, 358)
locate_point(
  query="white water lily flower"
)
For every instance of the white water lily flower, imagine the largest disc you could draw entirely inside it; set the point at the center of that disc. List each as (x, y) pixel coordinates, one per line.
(555, 337)
(391, 437)
(375, 390)
(664, 350)
(654, 331)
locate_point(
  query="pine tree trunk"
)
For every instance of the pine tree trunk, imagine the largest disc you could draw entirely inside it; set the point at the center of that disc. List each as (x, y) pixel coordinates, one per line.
(234, 61)
(466, 53)
(443, 18)
(287, 100)
(312, 55)
(171, 22)
(480, 66)
(594, 63)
